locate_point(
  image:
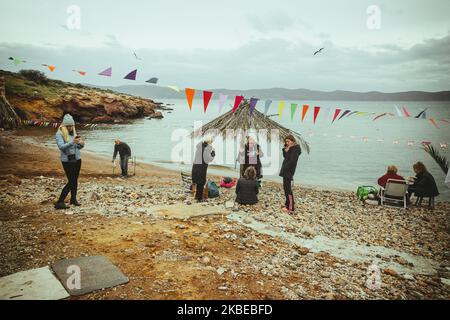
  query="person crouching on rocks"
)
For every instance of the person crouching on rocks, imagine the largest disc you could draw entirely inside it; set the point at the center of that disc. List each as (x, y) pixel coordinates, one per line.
(204, 154)
(69, 144)
(291, 152)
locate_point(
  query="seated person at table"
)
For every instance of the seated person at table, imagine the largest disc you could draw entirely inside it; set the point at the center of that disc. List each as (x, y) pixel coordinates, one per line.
(390, 174)
(247, 188)
(424, 184)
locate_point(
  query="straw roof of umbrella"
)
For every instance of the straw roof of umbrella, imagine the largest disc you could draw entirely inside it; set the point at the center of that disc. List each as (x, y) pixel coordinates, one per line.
(244, 121)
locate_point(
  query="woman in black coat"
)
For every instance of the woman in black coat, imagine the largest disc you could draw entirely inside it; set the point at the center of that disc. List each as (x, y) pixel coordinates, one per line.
(204, 154)
(291, 152)
(247, 187)
(424, 184)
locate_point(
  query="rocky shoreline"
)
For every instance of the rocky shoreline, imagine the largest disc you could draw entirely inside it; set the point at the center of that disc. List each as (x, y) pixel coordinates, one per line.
(173, 248)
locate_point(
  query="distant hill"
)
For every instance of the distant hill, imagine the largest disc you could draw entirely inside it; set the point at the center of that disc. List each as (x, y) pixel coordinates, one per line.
(156, 92)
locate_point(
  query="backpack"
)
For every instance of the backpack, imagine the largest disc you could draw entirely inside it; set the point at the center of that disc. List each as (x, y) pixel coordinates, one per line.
(363, 192)
(213, 189)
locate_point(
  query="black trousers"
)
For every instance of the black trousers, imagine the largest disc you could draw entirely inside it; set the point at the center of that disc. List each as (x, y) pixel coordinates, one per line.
(72, 170)
(199, 191)
(124, 165)
(287, 185)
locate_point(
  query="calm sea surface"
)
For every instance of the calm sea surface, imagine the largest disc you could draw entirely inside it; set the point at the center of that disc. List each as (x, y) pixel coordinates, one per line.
(350, 152)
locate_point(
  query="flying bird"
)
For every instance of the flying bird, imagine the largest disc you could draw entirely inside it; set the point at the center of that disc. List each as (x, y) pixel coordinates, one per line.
(318, 51)
(136, 56)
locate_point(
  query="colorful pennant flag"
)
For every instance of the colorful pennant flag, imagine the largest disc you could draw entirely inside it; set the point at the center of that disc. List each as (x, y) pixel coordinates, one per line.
(237, 102)
(106, 72)
(422, 114)
(253, 102)
(434, 122)
(152, 80)
(131, 75)
(189, 96)
(222, 99)
(336, 113)
(16, 61)
(316, 113)
(51, 68)
(267, 106)
(406, 112)
(304, 111)
(280, 108)
(344, 114)
(81, 73)
(206, 98)
(399, 113)
(379, 116)
(293, 109)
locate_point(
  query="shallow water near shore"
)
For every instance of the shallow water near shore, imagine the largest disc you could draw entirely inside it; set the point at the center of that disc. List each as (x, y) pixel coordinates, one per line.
(350, 152)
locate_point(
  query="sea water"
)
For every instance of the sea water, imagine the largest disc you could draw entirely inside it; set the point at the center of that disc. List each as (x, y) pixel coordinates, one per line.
(345, 154)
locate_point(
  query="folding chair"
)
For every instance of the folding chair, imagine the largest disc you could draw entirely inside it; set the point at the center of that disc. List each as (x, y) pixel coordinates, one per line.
(395, 191)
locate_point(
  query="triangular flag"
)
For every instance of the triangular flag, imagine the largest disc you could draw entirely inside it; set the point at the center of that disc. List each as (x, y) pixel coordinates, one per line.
(445, 120)
(379, 116)
(351, 113)
(316, 112)
(304, 111)
(424, 115)
(267, 106)
(206, 98)
(106, 72)
(293, 109)
(344, 113)
(189, 96)
(421, 114)
(175, 88)
(336, 113)
(222, 99)
(152, 80)
(253, 102)
(51, 68)
(131, 75)
(434, 122)
(82, 73)
(406, 112)
(399, 113)
(280, 108)
(237, 102)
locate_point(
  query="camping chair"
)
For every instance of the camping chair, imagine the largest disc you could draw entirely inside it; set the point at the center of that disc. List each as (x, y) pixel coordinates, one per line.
(430, 202)
(131, 161)
(395, 191)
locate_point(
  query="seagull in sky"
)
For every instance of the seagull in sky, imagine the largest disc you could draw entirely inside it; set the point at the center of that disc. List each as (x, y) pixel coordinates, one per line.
(318, 51)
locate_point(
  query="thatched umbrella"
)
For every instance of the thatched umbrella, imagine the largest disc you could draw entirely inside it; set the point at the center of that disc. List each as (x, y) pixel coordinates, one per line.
(243, 120)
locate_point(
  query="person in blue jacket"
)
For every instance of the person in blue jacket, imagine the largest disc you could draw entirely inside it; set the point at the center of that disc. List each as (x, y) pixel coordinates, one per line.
(69, 144)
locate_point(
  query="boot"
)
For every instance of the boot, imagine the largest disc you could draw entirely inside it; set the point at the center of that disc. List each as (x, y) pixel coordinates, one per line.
(61, 206)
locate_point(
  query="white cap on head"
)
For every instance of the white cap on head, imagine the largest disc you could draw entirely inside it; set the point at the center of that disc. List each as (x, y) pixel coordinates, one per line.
(68, 121)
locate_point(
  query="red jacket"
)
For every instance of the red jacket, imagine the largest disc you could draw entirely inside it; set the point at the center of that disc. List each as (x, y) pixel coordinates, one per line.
(383, 180)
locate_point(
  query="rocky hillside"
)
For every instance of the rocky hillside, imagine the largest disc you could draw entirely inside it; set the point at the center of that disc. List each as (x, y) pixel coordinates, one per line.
(35, 97)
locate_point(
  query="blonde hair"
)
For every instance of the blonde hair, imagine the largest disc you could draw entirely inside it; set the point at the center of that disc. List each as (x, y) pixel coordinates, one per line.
(392, 169)
(250, 173)
(65, 132)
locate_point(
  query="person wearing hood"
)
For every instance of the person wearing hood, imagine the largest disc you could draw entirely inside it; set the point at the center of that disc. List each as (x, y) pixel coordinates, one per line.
(204, 154)
(291, 152)
(69, 144)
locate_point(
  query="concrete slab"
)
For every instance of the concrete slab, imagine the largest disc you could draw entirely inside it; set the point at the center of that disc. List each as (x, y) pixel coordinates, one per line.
(35, 284)
(86, 274)
(182, 211)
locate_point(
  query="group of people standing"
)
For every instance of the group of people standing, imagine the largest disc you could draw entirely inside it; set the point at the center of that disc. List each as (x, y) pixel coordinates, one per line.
(247, 187)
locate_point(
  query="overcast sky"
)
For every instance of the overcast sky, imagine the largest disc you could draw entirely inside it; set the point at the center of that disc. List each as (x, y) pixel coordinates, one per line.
(235, 44)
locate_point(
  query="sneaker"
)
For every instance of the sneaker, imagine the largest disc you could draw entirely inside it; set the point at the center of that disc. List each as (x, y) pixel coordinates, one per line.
(61, 206)
(75, 203)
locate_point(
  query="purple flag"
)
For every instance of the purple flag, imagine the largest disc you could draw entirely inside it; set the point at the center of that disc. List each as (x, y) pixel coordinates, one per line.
(106, 72)
(253, 102)
(131, 75)
(222, 99)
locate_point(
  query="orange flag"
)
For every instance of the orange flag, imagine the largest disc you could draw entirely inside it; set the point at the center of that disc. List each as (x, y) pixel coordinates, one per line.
(434, 122)
(304, 111)
(190, 96)
(51, 68)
